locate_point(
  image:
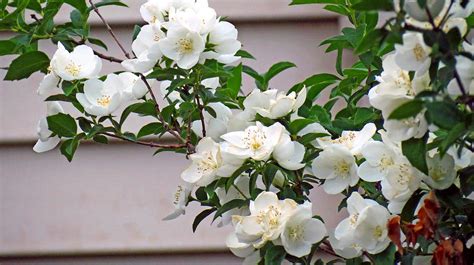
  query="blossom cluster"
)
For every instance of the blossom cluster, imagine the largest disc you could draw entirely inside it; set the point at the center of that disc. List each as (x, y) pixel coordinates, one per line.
(254, 158)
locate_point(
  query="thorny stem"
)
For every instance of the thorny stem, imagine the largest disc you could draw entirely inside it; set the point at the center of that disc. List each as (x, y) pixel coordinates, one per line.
(157, 107)
(150, 144)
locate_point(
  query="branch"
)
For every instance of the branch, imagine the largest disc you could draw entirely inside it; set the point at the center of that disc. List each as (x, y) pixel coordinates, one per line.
(157, 107)
(149, 144)
(110, 30)
(201, 115)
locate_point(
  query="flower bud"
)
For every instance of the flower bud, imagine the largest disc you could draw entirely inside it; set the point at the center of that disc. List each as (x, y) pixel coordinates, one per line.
(415, 11)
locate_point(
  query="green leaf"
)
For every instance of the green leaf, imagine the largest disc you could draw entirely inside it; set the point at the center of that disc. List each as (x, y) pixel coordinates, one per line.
(201, 217)
(275, 70)
(62, 124)
(234, 83)
(387, 257)
(245, 54)
(365, 5)
(236, 203)
(444, 114)
(7, 47)
(274, 255)
(26, 64)
(305, 2)
(151, 128)
(407, 110)
(80, 5)
(269, 175)
(415, 150)
(98, 43)
(259, 80)
(68, 148)
(107, 3)
(408, 211)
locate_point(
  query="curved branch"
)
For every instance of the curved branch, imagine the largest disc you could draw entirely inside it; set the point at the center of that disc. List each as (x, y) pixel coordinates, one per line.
(149, 144)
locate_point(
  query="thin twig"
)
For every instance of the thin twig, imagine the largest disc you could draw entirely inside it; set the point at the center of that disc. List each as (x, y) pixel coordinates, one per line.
(101, 55)
(157, 107)
(149, 144)
(109, 29)
(4, 68)
(158, 110)
(201, 115)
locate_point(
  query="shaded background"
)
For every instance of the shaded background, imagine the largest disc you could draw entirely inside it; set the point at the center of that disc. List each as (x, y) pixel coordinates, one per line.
(107, 205)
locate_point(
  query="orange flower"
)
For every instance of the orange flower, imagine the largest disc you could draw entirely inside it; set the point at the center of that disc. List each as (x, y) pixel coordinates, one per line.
(394, 232)
(428, 216)
(448, 253)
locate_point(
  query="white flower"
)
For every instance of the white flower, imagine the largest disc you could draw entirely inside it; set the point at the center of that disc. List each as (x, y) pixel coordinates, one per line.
(240, 249)
(344, 233)
(183, 46)
(256, 142)
(394, 89)
(399, 185)
(372, 231)
(380, 160)
(101, 98)
(272, 104)
(208, 162)
(302, 231)
(45, 141)
(441, 172)
(338, 167)
(223, 39)
(180, 200)
(240, 190)
(48, 85)
(155, 11)
(365, 228)
(266, 221)
(401, 130)
(289, 154)
(215, 126)
(352, 140)
(200, 19)
(133, 86)
(146, 48)
(414, 54)
(415, 11)
(79, 64)
(395, 86)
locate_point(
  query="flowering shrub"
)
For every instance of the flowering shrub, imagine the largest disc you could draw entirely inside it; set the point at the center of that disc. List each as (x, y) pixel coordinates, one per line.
(398, 148)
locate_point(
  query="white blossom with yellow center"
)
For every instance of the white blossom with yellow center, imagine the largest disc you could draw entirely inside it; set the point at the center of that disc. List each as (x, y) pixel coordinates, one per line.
(414, 54)
(209, 162)
(273, 104)
(267, 219)
(81, 63)
(337, 166)
(357, 232)
(302, 231)
(180, 199)
(441, 172)
(256, 142)
(352, 140)
(380, 161)
(182, 46)
(146, 48)
(101, 98)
